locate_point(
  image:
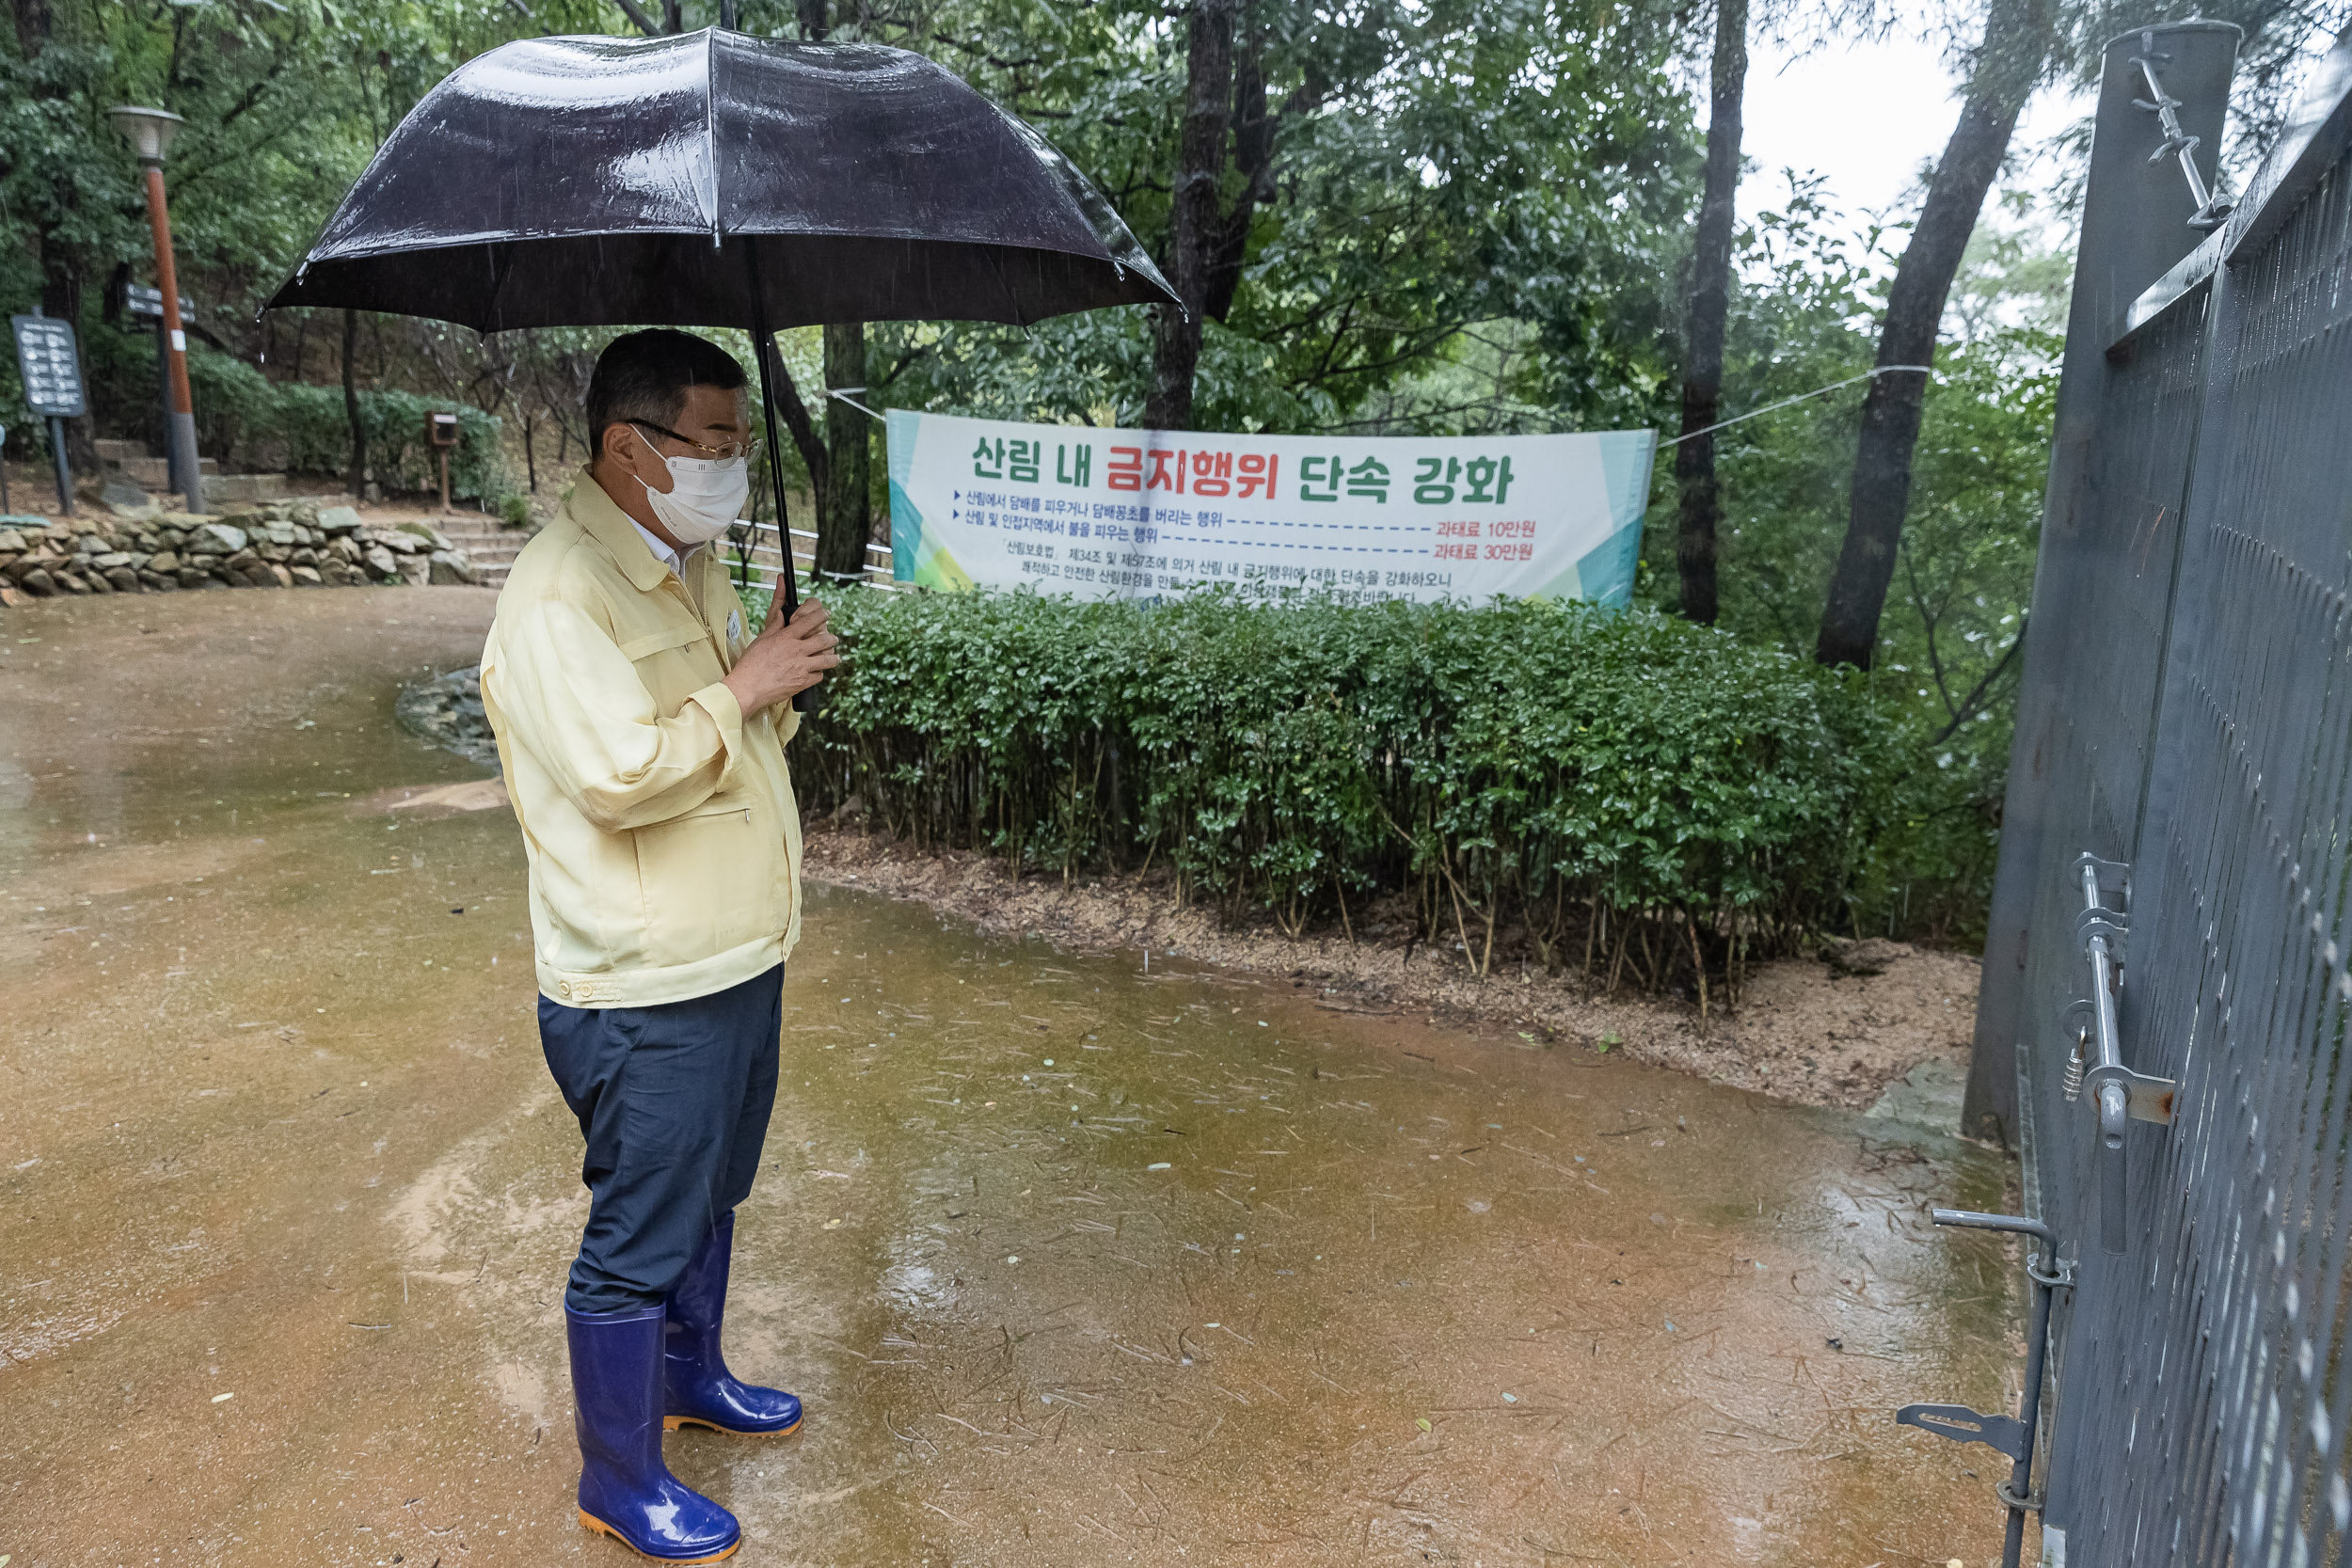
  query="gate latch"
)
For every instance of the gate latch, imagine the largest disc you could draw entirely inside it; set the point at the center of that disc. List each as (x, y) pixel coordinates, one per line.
(1964, 1425)
(2121, 1095)
(2011, 1435)
(2145, 1098)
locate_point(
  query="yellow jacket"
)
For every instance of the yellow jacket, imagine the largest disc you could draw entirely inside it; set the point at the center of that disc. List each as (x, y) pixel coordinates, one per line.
(664, 840)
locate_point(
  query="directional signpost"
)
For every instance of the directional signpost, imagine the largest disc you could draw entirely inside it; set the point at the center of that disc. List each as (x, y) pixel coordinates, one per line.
(143, 304)
(441, 430)
(52, 387)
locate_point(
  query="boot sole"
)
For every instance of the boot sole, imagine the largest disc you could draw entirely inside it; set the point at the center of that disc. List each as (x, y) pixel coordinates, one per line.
(588, 1521)
(671, 1424)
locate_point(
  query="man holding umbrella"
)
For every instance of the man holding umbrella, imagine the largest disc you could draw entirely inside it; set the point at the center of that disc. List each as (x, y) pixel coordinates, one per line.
(708, 179)
(641, 732)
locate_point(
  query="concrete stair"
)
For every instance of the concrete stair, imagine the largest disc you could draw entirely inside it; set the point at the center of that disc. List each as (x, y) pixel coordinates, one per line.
(233, 489)
(129, 460)
(487, 542)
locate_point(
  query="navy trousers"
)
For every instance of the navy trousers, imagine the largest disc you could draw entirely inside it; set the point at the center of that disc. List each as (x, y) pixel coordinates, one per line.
(673, 1103)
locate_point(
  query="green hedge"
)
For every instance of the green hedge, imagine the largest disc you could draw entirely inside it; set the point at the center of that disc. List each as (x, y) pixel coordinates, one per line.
(238, 408)
(1565, 784)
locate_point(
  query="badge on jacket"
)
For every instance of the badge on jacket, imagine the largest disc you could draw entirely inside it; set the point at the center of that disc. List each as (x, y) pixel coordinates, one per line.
(735, 627)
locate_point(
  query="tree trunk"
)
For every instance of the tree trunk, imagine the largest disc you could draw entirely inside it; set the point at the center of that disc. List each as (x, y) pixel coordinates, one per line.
(2016, 42)
(841, 476)
(845, 513)
(1253, 161)
(1710, 303)
(1195, 231)
(60, 264)
(62, 283)
(806, 439)
(33, 26)
(358, 480)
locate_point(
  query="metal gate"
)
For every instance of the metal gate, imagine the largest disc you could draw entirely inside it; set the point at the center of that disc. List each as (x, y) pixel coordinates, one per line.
(2162, 1027)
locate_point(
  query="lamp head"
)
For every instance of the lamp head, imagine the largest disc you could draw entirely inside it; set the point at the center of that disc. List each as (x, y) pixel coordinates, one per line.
(148, 131)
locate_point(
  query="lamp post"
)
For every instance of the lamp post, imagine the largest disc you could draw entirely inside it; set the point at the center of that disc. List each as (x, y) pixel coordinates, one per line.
(150, 133)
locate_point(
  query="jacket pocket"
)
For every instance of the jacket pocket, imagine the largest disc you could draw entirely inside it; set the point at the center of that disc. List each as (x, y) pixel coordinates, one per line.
(674, 661)
(676, 634)
(706, 877)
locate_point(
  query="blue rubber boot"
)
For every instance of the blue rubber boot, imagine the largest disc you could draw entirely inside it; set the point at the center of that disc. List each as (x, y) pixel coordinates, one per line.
(625, 1489)
(698, 1388)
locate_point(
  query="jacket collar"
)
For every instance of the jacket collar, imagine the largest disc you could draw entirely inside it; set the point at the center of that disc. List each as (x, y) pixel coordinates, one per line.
(612, 528)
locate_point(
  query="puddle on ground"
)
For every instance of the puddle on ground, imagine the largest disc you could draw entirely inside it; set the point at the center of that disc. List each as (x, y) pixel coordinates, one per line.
(1074, 1264)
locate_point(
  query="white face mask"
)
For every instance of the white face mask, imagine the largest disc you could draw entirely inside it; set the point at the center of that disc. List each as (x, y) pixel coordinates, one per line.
(706, 495)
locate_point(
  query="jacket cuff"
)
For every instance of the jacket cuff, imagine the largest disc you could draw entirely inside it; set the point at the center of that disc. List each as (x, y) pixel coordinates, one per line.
(725, 712)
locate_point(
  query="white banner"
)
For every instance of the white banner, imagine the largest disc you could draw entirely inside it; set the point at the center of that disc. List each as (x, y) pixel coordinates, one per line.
(1137, 513)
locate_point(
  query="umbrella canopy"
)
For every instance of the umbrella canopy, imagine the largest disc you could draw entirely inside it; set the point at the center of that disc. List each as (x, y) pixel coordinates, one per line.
(606, 181)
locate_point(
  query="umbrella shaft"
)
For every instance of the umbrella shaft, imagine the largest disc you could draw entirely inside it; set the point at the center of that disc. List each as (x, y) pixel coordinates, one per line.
(763, 345)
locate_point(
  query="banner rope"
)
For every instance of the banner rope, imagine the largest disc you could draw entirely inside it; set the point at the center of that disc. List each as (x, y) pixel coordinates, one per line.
(1770, 407)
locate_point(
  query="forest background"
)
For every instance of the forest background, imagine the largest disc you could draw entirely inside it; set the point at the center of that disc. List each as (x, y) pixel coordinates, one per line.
(1392, 215)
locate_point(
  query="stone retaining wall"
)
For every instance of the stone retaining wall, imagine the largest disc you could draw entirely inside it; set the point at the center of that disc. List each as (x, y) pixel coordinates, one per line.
(447, 710)
(301, 544)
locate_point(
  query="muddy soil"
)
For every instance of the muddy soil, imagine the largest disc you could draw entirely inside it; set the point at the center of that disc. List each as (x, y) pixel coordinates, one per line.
(1834, 1030)
(1072, 1264)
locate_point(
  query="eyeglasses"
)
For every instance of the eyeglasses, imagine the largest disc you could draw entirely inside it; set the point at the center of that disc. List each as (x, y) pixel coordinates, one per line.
(731, 449)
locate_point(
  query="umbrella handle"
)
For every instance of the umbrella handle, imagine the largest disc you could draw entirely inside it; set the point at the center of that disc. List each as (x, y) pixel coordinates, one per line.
(763, 345)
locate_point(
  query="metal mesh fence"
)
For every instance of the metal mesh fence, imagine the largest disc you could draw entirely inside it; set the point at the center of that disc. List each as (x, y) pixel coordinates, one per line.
(2199, 738)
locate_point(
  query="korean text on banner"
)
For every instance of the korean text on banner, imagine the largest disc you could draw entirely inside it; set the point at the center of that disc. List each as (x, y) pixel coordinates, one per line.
(1136, 514)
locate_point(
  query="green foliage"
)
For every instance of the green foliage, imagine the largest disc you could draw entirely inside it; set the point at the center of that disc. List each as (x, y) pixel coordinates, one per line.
(1436, 166)
(243, 409)
(1944, 677)
(400, 453)
(1950, 650)
(285, 100)
(1513, 771)
(1439, 169)
(284, 103)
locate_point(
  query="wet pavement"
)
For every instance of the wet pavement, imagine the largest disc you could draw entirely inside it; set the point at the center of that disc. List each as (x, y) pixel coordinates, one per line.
(1074, 1264)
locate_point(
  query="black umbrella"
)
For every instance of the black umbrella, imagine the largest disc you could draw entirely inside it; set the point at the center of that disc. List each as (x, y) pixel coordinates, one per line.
(714, 178)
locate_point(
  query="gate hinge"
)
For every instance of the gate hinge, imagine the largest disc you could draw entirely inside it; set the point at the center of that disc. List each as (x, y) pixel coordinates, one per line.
(2061, 1276)
(2009, 1494)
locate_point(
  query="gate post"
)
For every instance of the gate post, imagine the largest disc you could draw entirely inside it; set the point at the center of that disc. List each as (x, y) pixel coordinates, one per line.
(2136, 223)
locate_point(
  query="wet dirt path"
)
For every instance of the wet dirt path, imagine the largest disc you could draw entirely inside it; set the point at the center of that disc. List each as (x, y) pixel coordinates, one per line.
(1072, 1264)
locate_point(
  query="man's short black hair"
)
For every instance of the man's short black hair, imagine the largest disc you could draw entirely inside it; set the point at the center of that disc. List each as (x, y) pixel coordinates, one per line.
(644, 375)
